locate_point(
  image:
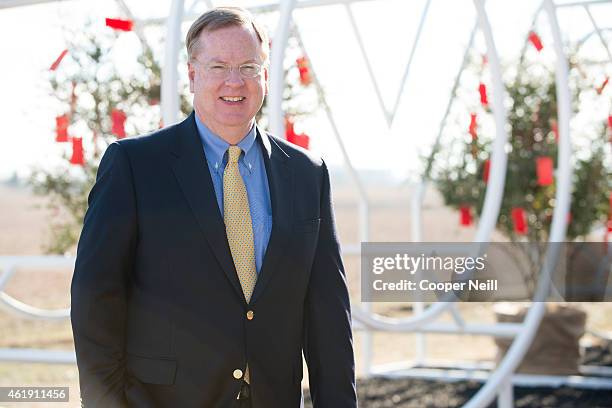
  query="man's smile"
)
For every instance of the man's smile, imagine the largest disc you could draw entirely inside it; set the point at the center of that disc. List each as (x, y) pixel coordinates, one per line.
(232, 98)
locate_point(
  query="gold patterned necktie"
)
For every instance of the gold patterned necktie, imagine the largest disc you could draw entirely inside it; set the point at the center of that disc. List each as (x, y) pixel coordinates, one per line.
(238, 226)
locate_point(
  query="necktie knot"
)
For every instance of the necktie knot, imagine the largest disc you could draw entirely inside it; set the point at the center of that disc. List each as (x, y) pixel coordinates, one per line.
(233, 154)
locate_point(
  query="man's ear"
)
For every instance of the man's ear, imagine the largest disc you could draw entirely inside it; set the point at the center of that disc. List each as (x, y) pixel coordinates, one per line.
(191, 74)
(265, 81)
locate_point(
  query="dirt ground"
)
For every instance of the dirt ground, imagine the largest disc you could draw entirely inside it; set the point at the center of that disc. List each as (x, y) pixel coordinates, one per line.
(414, 393)
(23, 230)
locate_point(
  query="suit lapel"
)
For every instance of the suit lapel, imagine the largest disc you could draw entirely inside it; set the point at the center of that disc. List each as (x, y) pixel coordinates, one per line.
(191, 171)
(280, 181)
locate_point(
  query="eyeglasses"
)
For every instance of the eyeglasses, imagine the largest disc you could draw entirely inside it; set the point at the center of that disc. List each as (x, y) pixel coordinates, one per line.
(220, 70)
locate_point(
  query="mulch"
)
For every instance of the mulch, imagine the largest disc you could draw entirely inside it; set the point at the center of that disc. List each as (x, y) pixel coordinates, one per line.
(598, 355)
(378, 392)
(382, 392)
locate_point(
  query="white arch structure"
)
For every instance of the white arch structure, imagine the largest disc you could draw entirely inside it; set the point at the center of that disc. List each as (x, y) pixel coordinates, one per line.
(499, 383)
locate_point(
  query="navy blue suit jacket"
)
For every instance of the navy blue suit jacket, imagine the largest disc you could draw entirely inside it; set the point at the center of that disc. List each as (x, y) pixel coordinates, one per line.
(158, 314)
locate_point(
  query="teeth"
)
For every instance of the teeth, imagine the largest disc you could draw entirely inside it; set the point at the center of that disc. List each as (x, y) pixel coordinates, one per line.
(232, 98)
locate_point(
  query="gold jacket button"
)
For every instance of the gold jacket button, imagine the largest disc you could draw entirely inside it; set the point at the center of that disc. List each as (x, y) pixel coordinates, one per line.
(237, 374)
(250, 315)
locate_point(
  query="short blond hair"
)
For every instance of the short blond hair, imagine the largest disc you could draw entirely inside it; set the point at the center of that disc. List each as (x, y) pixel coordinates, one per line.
(221, 17)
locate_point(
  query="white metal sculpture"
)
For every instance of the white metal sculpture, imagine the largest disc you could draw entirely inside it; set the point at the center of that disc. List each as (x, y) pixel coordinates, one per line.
(499, 382)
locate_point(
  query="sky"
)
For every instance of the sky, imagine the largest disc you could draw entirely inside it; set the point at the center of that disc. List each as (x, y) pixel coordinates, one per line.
(31, 37)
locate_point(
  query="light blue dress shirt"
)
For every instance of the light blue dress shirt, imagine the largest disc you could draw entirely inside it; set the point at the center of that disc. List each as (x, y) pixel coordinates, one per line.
(253, 171)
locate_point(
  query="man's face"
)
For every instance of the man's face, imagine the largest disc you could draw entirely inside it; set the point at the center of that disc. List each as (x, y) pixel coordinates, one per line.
(234, 46)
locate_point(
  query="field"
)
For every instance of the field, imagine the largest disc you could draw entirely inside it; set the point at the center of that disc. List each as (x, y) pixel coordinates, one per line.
(23, 226)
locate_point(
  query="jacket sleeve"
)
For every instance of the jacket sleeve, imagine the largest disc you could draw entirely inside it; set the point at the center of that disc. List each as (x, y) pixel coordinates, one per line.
(105, 257)
(328, 340)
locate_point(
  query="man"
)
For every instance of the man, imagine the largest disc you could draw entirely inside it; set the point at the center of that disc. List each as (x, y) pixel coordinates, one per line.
(209, 258)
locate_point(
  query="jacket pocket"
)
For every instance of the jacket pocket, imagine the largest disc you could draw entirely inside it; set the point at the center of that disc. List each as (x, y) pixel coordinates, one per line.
(152, 370)
(307, 226)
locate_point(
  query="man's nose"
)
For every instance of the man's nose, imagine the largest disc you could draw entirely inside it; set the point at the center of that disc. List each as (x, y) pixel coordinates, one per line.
(234, 78)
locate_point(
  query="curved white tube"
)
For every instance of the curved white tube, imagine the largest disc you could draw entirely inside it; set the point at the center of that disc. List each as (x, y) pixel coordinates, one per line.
(277, 72)
(11, 305)
(557, 234)
(169, 85)
(495, 187)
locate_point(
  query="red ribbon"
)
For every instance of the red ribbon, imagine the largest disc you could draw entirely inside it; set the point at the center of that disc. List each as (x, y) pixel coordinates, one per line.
(61, 128)
(610, 215)
(602, 86)
(119, 24)
(608, 228)
(118, 118)
(544, 170)
(535, 40)
(466, 215)
(555, 129)
(302, 64)
(302, 139)
(77, 151)
(473, 125)
(519, 220)
(486, 170)
(289, 128)
(57, 61)
(482, 89)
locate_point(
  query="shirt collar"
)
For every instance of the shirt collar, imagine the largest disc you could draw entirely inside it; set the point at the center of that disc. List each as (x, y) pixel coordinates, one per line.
(215, 147)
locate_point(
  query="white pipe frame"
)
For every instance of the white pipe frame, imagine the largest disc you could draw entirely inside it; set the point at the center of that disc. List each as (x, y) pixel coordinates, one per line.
(598, 31)
(589, 35)
(497, 167)
(276, 78)
(493, 195)
(368, 64)
(417, 203)
(8, 268)
(169, 85)
(490, 210)
(389, 115)
(520, 345)
(410, 58)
